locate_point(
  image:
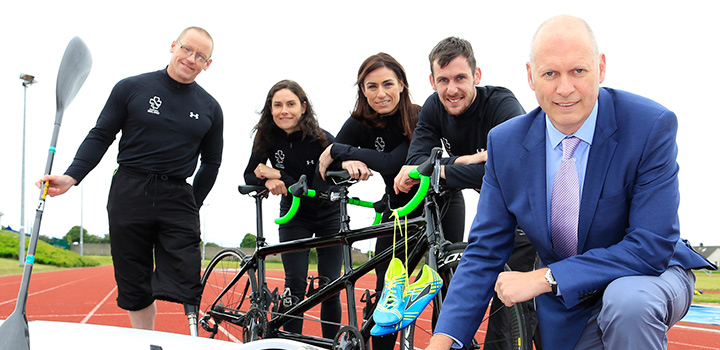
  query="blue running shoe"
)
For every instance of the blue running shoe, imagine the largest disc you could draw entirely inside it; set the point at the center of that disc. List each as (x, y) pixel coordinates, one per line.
(417, 297)
(390, 307)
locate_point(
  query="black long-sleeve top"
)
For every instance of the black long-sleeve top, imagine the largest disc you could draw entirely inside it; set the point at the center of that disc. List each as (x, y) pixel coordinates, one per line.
(462, 134)
(381, 149)
(166, 126)
(293, 157)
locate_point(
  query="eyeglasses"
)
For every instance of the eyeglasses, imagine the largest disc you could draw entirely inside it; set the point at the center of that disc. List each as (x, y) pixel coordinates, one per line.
(198, 57)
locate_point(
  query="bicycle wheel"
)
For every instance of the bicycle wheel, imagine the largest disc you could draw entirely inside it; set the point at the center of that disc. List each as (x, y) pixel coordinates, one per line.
(517, 336)
(222, 306)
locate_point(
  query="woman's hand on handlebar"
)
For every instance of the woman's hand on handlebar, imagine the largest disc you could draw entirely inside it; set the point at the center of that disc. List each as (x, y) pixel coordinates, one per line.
(403, 182)
(263, 171)
(357, 169)
(276, 186)
(324, 161)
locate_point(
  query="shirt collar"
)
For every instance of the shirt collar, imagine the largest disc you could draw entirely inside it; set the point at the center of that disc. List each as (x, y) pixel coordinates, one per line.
(585, 133)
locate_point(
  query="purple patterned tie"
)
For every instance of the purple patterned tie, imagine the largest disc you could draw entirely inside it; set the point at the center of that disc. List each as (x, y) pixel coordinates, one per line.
(565, 201)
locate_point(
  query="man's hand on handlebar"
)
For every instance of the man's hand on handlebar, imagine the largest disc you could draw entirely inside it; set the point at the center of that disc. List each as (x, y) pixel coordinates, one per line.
(276, 186)
(403, 182)
(475, 158)
(357, 169)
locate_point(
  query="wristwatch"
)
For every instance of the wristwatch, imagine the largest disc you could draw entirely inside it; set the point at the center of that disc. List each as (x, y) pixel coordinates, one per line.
(551, 279)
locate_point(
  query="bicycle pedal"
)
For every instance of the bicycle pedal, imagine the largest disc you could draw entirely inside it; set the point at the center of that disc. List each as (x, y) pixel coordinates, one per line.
(370, 301)
(322, 281)
(280, 301)
(287, 302)
(207, 327)
(275, 300)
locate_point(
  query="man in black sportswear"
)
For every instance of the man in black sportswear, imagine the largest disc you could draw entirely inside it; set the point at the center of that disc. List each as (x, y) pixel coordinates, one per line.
(458, 117)
(167, 121)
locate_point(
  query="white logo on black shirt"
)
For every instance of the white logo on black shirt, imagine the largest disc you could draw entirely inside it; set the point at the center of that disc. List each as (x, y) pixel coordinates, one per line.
(194, 115)
(310, 162)
(279, 159)
(446, 143)
(379, 144)
(155, 104)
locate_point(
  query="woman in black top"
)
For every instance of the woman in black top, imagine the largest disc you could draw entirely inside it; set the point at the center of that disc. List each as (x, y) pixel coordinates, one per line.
(289, 136)
(377, 136)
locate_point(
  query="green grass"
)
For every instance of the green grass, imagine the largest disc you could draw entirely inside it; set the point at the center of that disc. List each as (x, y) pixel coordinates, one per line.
(45, 254)
(11, 267)
(707, 283)
(101, 259)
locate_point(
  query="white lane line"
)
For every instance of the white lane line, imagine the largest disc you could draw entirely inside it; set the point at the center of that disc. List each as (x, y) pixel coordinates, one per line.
(697, 328)
(44, 290)
(693, 346)
(92, 312)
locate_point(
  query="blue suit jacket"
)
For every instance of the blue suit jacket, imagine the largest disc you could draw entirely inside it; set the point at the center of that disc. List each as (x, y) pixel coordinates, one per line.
(628, 222)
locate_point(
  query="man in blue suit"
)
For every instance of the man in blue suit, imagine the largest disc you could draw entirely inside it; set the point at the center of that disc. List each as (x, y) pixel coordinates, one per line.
(625, 278)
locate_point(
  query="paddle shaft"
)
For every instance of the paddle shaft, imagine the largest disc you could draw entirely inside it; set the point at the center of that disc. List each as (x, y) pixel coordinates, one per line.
(74, 69)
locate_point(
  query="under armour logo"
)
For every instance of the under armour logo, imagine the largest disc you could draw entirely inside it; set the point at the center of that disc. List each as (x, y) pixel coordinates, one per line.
(310, 162)
(279, 159)
(379, 144)
(194, 115)
(155, 104)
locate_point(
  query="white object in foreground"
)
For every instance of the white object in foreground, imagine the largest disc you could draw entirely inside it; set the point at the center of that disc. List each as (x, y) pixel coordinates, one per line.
(49, 335)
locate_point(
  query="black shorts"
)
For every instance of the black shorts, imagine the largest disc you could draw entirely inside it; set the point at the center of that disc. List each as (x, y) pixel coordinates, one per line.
(154, 238)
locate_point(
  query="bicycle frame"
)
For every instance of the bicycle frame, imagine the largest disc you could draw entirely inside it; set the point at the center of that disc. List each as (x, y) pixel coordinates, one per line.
(425, 239)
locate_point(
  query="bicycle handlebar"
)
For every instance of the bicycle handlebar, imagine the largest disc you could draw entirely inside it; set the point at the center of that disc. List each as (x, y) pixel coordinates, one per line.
(300, 189)
(297, 190)
(423, 172)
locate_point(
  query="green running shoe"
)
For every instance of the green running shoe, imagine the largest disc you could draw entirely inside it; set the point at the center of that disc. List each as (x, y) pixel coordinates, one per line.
(391, 304)
(417, 297)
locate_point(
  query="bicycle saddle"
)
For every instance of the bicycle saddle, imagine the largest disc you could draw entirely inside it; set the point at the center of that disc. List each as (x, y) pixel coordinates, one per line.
(247, 189)
(340, 177)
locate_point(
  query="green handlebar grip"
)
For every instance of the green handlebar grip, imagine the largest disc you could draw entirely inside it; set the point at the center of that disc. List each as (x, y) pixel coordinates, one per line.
(417, 199)
(294, 208)
(378, 218)
(414, 174)
(291, 213)
(366, 204)
(360, 203)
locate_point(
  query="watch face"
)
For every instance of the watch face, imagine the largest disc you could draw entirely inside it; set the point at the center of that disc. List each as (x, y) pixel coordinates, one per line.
(549, 277)
(551, 280)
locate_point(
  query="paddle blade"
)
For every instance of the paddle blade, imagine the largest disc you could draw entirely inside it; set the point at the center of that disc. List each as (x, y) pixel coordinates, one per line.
(15, 335)
(74, 69)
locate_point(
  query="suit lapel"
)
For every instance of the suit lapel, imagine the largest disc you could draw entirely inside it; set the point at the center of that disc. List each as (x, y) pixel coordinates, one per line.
(534, 163)
(601, 154)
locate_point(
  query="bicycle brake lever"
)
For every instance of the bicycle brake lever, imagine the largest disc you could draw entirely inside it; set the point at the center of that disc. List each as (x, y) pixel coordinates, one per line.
(299, 188)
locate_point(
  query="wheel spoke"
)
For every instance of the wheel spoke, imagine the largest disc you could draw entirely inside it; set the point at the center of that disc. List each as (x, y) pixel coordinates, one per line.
(223, 306)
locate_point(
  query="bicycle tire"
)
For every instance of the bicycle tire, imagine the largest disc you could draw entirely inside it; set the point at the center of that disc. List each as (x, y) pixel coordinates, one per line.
(520, 337)
(222, 307)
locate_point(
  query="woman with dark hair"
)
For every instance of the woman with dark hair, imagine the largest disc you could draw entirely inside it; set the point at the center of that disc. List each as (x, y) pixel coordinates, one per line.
(289, 136)
(377, 136)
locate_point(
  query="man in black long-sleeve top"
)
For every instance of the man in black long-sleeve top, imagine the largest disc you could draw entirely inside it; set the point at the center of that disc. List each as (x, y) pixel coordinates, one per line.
(458, 116)
(167, 122)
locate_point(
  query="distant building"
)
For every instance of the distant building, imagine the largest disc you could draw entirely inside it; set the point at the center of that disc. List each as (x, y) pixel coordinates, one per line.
(712, 253)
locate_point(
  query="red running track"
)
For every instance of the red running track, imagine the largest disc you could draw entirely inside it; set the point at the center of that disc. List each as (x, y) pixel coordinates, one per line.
(87, 295)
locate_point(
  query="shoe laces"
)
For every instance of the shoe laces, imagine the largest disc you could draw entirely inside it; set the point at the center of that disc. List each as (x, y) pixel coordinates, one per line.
(397, 226)
(391, 298)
